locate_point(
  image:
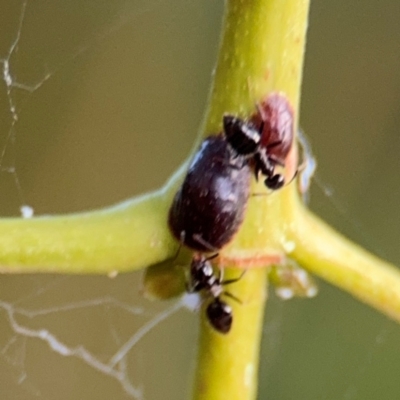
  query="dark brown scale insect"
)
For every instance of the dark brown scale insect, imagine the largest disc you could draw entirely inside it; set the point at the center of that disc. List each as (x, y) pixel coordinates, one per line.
(266, 138)
(209, 207)
(202, 277)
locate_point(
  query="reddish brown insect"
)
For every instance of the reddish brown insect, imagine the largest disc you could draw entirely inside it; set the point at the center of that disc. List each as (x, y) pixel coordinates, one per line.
(274, 120)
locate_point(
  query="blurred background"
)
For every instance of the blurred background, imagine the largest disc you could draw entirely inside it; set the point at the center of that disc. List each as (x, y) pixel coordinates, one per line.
(109, 97)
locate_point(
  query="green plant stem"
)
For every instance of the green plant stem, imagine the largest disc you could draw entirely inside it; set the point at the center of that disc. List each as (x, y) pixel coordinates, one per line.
(262, 51)
(228, 365)
(121, 238)
(326, 253)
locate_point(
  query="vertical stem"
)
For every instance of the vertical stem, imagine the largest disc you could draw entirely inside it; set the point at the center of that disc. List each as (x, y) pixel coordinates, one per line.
(262, 51)
(228, 364)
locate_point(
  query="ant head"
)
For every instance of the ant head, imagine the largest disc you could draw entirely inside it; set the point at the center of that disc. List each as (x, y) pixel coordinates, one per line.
(233, 128)
(198, 260)
(242, 136)
(229, 120)
(201, 267)
(274, 182)
(219, 315)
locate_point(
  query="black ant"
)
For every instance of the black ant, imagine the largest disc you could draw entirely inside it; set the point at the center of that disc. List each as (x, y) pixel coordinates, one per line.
(266, 138)
(202, 277)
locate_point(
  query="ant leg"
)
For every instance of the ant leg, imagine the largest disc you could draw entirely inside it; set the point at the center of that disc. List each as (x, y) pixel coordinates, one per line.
(220, 275)
(257, 171)
(294, 176)
(263, 162)
(181, 241)
(229, 281)
(212, 257)
(189, 285)
(231, 296)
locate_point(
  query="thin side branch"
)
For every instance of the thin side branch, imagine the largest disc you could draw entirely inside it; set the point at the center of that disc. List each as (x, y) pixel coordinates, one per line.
(326, 253)
(128, 236)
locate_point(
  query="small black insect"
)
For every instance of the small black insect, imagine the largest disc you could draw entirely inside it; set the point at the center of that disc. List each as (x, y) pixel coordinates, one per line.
(202, 277)
(210, 205)
(266, 138)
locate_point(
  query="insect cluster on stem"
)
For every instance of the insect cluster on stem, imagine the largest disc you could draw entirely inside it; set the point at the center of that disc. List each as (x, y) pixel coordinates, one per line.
(209, 207)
